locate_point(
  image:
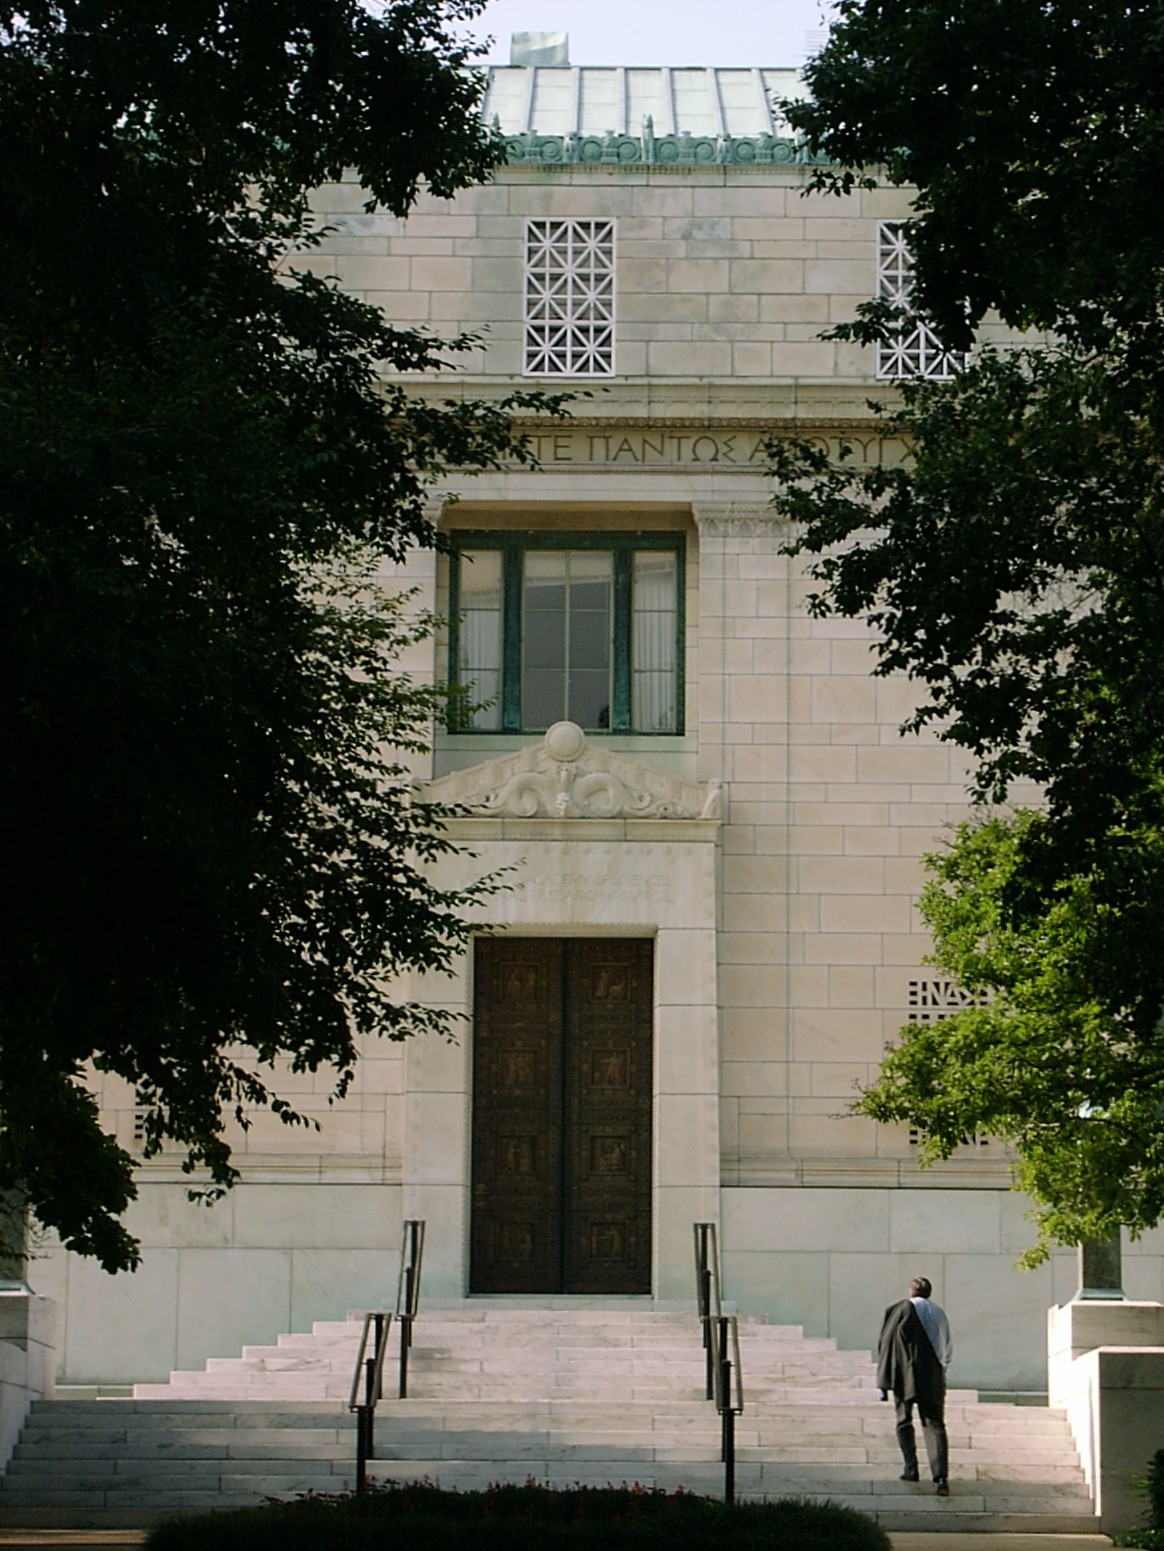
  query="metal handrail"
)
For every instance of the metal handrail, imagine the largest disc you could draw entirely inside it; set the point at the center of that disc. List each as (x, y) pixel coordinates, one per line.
(721, 1342)
(729, 1373)
(378, 1324)
(408, 1292)
(369, 1371)
(707, 1291)
(729, 1394)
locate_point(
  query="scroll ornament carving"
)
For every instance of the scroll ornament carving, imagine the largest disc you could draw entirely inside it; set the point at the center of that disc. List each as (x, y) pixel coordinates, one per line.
(565, 777)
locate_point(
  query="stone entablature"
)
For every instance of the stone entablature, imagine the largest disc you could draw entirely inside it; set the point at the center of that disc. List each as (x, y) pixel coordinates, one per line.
(565, 776)
(674, 443)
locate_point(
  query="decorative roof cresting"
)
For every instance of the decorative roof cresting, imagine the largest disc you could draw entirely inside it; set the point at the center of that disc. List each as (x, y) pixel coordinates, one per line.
(680, 117)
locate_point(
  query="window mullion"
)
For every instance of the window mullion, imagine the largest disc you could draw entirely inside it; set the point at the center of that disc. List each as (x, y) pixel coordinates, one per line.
(680, 639)
(454, 709)
(620, 719)
(511, 574)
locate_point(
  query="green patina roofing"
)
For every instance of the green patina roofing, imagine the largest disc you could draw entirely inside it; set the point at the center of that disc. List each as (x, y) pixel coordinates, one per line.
(558, 115)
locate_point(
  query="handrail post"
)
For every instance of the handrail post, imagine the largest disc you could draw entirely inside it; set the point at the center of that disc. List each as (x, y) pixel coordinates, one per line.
(369, 1405)
(367, 1388)
(408, 1293)
(405, 1343)
(361, 1449)
(373, 1380)
(707, 1341)
(728, 1414)
(704, 1285)
(721, 1341)
(415, 1255)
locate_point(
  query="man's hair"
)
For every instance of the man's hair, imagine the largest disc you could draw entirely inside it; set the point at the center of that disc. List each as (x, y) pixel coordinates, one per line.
(920, 1287)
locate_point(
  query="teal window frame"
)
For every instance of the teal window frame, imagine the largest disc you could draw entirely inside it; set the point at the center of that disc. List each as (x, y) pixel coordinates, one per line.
(622, 546)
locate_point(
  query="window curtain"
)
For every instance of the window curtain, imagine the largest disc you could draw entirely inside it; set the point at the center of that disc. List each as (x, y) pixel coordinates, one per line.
(653, 655)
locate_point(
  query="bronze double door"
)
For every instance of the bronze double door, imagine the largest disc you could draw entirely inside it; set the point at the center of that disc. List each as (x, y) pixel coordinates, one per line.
(562, 1115)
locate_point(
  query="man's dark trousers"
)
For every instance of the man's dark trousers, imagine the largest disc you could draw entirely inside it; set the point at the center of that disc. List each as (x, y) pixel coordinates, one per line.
(932, 1417)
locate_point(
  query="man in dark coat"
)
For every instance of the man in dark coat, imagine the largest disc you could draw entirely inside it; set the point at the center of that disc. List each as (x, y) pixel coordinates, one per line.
(913, 1354)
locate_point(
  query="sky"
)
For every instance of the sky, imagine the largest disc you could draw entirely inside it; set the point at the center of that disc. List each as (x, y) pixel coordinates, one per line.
(765, 33)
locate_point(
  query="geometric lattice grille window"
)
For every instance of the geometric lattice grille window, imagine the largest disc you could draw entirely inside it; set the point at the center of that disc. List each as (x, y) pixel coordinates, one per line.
(912, 349)
(929, 1002)
(569, 298)
(141, 1111)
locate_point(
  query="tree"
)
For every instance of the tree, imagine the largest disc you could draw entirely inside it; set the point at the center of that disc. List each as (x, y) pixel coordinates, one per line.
(1013, 566)
(212, 863)
(1030, 130)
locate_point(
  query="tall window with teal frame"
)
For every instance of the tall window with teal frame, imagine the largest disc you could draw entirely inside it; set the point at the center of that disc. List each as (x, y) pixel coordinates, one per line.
(580, 627)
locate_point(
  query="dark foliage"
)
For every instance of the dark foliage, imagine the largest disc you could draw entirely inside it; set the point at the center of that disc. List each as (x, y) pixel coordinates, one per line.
(528, 1518)
(1012, 565)
(1032, 131)
(1151, 1536)
(212, 868)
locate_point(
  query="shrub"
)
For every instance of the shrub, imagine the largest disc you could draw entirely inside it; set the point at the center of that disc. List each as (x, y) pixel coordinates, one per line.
(522, 1518)
(1152, 1536)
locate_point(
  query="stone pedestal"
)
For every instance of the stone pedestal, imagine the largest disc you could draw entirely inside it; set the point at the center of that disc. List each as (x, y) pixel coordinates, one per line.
(1078, 1327)
(1101, 1270)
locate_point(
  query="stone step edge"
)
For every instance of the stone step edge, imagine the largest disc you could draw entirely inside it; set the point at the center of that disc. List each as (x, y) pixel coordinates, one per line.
(866, 1478)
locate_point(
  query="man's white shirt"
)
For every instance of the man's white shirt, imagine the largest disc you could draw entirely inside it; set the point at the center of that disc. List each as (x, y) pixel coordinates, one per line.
(937, 1327)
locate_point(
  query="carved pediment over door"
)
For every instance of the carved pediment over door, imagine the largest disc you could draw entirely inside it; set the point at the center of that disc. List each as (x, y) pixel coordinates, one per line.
(566, 776)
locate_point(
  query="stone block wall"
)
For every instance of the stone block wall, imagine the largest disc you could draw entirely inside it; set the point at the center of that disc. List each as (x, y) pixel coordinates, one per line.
(722, 273)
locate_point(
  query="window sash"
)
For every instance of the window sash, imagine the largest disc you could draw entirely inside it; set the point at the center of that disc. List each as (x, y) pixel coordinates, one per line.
(567, 637)
(480, 657)
(646, 632)
(654, 639)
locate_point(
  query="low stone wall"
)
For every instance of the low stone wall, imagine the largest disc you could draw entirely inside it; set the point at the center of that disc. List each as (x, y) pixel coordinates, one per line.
(1105, 1367)
(28, 1359)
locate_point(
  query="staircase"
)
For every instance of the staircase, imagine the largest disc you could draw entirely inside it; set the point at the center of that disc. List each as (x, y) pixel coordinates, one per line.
(591, 1394)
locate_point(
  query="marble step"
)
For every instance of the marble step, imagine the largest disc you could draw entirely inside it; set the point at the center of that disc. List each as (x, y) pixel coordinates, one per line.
(506, 1351)
(457, 1436)
(503, 1395)
(72, 1437)
(129, 1430)
(125, 1479)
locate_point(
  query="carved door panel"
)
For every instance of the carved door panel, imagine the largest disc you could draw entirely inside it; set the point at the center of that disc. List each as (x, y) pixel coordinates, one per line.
(562, 1116)
(517, 1128)
(608, 1116)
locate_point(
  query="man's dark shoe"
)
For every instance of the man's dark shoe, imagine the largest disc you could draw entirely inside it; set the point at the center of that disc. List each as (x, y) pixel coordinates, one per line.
(943, 1489)
(909, 1475)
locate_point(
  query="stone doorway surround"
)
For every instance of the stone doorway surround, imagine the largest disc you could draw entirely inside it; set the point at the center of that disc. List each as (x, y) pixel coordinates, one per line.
(598, 844)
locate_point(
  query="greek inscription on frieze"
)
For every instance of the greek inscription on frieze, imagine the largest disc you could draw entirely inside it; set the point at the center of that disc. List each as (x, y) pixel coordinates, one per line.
(688, 448)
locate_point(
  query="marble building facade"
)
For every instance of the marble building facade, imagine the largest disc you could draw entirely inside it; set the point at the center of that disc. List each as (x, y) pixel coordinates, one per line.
(724, 783)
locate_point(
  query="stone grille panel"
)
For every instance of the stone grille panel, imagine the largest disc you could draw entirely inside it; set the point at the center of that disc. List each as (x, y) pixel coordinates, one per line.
(929, 1002)
(913, 349)
(569, 298)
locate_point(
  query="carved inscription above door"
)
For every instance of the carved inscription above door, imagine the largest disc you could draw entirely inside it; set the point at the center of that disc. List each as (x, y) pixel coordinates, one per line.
(562, 1115)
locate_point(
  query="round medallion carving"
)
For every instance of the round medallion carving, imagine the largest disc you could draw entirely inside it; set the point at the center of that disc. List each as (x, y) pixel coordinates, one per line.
(565, 742)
